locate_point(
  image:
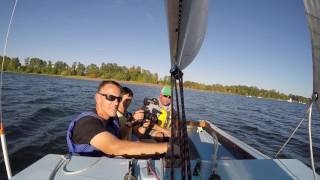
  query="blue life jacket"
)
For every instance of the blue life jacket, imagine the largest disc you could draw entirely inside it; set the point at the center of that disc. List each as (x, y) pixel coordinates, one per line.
(86, 149)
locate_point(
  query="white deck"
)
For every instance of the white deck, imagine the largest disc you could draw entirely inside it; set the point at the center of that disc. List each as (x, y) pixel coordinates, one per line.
(228, 167)
(111, 168)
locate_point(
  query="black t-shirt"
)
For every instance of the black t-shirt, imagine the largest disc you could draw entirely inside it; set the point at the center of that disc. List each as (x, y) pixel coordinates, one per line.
(88, 127)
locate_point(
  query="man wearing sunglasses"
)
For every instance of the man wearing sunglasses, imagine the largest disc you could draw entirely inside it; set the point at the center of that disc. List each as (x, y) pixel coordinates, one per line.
(165, 107)
(163, 103)
(96, 133)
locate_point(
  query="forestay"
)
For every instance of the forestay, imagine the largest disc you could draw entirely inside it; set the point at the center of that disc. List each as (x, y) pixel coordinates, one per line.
(187, 23)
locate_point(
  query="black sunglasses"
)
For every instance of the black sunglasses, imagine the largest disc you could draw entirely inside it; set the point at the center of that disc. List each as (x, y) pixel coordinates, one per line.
(110, 97)
(167, 96)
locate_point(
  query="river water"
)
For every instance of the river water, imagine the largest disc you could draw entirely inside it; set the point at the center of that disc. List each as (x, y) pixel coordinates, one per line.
(37, 111)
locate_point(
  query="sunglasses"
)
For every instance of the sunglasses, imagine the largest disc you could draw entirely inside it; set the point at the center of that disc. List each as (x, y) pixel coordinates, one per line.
(167, 96)
(110, 97)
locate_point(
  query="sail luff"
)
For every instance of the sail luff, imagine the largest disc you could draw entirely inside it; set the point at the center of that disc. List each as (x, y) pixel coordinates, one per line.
(187, 24)
(312, 9)
(183, 32)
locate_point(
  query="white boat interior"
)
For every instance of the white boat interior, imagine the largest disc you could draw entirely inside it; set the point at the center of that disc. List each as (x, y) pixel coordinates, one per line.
(235, 160)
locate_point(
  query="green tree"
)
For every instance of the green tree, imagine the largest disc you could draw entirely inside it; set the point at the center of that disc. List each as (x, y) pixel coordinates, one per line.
(49, 68)
(73, 69)
(14, 64)
(81, 69)
(59, 67)
(36, 65)
(10, 64)
(92, 71)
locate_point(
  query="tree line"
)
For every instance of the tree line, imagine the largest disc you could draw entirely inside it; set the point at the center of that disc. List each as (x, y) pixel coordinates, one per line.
(104, 71)
(241, 90)
(123, 73)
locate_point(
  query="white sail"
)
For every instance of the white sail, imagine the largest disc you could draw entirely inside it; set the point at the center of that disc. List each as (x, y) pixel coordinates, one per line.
(312, 9)
(187, 23)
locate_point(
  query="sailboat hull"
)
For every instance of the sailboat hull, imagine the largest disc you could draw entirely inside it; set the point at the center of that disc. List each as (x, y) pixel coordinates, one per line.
(234, 160)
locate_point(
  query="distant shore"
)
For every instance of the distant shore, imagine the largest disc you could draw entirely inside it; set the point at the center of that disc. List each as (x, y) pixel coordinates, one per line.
(93, 79)
(135, 75)
(161, 85)
(101, 79)
(124, 82)
(147, 84)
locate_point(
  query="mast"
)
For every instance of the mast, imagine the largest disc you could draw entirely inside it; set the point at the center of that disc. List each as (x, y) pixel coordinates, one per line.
(187, 24)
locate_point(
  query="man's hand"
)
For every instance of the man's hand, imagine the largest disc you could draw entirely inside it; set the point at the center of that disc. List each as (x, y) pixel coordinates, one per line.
(146, 124)
(166, 132)
(138, 115)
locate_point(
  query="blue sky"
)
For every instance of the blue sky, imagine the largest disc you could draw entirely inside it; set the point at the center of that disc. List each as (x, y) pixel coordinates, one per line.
(249, 42)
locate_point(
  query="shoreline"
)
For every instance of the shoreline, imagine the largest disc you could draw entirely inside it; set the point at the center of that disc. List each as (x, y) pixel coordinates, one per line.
(142, 84)
(91, 79)
(119, 81)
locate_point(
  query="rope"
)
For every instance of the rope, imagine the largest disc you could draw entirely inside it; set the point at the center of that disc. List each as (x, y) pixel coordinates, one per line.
(57, 167)
(282, 147)
(65, 160)
(68, 159)
(310, 144)
(184, 131)
(4, 54)
(215, 152)
(173, 131)
(174, 126)
(199, 172)
(152, 170)
(3, 139)
(309, 112)
(179, 128)
(177, 133)
(130, 169)
(180, 133)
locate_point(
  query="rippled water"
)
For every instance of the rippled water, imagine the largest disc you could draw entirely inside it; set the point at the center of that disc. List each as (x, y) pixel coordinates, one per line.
(37, 111)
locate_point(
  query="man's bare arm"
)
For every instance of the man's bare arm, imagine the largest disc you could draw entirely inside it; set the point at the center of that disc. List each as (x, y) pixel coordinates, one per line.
(111, 145)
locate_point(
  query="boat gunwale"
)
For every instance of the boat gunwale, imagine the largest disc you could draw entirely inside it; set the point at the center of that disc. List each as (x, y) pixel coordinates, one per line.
(240, 149)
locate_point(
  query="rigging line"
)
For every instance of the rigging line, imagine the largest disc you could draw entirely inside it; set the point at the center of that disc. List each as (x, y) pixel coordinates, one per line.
(180, 133)
(130, 169)
(153, 171)
(71, 172)
(214, 152)
(310, 144)
(173, 131)
(184, 130)
(309, 111)
(4, 54)
(56, 168)
(2, 133)
(182, 136)
(179, 126)
(280, 161)
(178, 123)
(283, 146)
